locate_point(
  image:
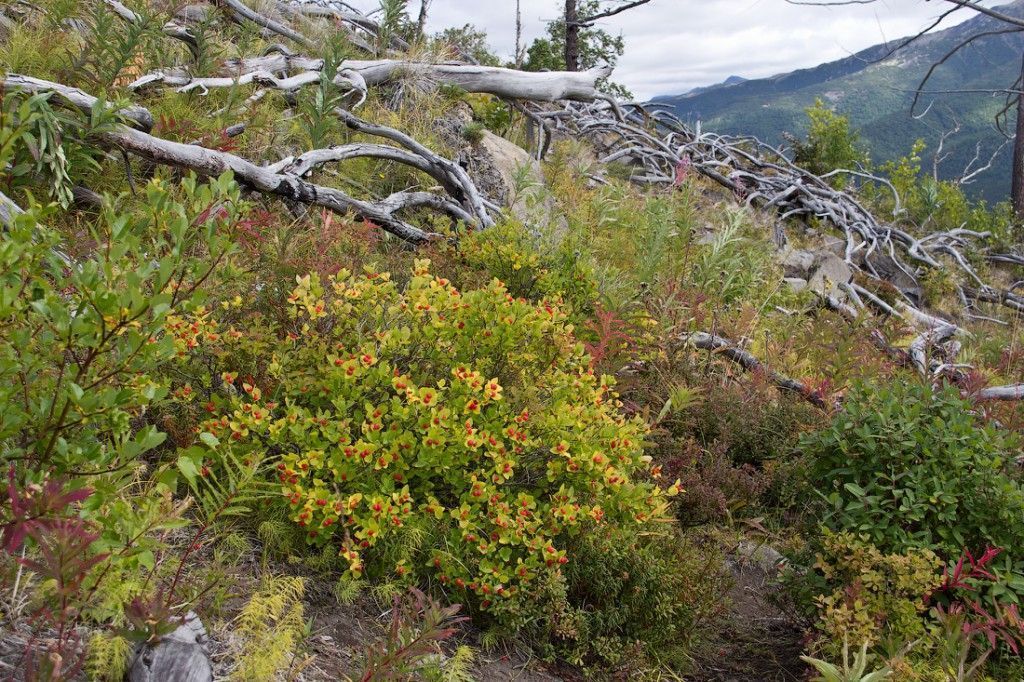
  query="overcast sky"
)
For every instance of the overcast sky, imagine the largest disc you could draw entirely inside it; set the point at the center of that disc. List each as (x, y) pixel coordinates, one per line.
(675, 45)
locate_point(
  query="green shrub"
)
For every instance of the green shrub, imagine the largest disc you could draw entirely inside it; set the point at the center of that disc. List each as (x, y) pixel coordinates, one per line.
(632, 603)
(753, 424)
(86, 507)
(82, 340)
(428, 434)
(912, 467)
(830, 144)
(873, 595)
(509, 252)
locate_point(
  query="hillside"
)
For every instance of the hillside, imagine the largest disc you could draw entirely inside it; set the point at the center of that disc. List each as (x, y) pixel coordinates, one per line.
(875, 90)
(328, 355)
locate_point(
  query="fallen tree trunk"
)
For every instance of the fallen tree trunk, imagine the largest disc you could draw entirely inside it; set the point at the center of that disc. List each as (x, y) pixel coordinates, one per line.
(171, 29)
(1014, 392)
(211, 163)
(243, 11)
(728, 349)
(12, 82)
(505, 83)
(345, 14)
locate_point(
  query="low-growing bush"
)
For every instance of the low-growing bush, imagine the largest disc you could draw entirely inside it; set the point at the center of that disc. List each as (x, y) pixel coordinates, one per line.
(914, 467)
(512, 254)
(753, 423)
(873, 595)
(428, 434)
(916, 486)
(633, 602)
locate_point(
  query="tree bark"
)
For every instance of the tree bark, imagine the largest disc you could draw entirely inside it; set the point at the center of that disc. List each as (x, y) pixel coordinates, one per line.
(1018, 156)
(421, 22)
(519, 35)
(572, 36)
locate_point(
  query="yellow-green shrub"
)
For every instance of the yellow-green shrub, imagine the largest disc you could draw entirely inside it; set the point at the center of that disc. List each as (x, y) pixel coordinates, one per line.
(429, 433)
(874, 595)
(509, 252)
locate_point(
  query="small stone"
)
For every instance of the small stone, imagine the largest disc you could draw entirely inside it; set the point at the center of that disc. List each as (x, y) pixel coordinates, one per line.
(796, 284)
(796, 263)
(830, 272)
(835, 246)
(177, 657)
(764, 556)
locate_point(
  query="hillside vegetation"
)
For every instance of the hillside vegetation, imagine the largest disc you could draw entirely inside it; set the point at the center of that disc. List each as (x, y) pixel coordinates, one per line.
(309, 370)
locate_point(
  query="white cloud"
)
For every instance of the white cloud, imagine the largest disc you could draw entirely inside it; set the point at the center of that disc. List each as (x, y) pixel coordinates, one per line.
(675, 45)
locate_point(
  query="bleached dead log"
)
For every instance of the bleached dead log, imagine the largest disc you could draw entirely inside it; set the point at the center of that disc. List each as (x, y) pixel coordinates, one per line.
(505, 83)
(728, 349)
(346, 14)
(1014, 392)
(79, 99)
(457, 175)
(212, 163)
(926, 342)
(171, 28)
(243, 11)
(347, 78)
(659, 144)
(209, 162)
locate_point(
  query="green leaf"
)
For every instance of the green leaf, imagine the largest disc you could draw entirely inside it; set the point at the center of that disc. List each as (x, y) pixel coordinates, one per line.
(210, 439)
(188, 468)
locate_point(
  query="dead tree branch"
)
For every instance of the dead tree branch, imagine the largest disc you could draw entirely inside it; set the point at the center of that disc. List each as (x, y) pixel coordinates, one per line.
(728, 349)
(550, 86)
(209, 162)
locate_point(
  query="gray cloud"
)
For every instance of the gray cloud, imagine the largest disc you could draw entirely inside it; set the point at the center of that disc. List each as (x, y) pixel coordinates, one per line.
(675, 45)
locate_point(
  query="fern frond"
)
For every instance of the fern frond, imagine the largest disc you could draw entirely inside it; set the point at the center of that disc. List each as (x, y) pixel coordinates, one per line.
(272, 626)
(276, 536)
(348, 589)
(385, 592)
(108, 658)
(459, 668)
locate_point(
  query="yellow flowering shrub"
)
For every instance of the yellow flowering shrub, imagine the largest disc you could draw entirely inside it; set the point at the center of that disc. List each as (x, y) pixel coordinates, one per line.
(474, 418)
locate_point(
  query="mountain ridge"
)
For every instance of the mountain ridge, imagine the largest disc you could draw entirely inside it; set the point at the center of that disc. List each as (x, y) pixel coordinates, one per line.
(874, 87)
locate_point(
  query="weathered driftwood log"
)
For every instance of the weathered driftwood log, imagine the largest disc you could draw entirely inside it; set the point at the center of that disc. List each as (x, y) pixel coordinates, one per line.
(506, 83)
(1014, 392)
(209, 162)
(729, 350)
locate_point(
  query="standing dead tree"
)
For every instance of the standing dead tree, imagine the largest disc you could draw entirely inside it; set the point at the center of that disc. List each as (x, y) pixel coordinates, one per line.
(575, 22)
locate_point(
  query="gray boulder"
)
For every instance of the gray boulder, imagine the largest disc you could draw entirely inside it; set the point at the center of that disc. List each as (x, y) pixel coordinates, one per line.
(797, 263)
(796, 284)
(178, 657)
(830, 271)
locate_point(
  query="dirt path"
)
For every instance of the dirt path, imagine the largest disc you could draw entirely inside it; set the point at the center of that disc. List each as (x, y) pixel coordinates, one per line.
(758, 640)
